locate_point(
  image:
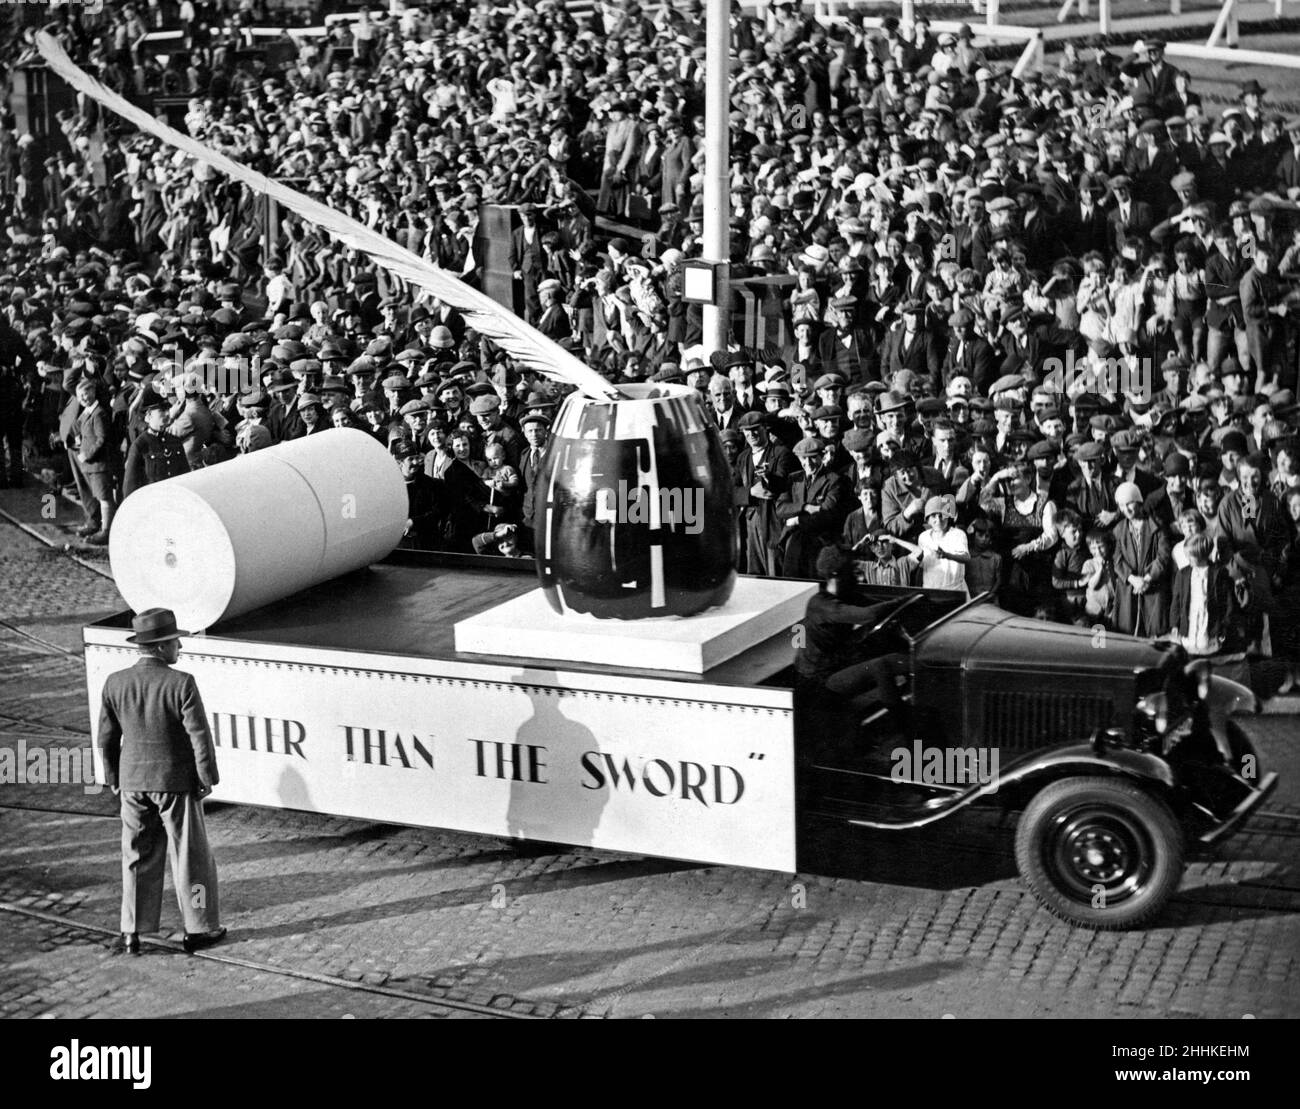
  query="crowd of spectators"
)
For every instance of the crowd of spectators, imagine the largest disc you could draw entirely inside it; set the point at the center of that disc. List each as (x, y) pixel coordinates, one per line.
(1036, 332)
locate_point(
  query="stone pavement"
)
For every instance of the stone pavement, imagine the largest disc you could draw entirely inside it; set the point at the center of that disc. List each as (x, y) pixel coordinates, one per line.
(926, 925)
(57, 971)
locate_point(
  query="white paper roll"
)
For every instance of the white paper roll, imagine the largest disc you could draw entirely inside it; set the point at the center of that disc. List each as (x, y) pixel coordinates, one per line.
(230, 538)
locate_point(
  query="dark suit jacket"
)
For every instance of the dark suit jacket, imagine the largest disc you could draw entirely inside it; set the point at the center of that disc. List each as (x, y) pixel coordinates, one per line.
(96, 445)
(1140, 221)
(831, 492)
(1084, 234)
(530, 475)
(1151, 179)
(1223, 279)
(922, 355)
(978, 361)
(894, 498)
(1268, 531)
(1163, 512)
(1161, 88)
(525, 256)
(153, 731)
(1088, 501)
(780, 468)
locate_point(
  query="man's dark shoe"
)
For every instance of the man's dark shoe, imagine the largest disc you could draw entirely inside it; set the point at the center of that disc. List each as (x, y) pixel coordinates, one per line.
(128, 943)
(196, 941)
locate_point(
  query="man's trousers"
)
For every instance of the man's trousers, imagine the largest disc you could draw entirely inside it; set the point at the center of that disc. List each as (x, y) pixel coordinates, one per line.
(155, 825)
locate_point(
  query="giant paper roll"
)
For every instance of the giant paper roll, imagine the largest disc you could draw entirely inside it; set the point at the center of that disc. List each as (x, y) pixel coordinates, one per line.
(227, 539)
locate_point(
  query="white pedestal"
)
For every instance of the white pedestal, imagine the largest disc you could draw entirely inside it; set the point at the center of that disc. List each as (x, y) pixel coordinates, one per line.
(528, 626)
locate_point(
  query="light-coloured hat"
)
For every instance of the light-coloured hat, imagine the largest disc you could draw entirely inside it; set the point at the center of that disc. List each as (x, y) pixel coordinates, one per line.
(1128, 492)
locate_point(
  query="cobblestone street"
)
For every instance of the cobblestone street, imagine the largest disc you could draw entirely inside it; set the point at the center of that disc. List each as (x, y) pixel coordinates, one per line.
(330, 916)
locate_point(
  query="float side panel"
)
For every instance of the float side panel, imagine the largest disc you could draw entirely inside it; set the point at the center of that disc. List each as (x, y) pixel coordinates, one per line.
(703, 777)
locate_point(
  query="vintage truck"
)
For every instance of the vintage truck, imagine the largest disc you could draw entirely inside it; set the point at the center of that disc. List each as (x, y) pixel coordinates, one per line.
(352, 699)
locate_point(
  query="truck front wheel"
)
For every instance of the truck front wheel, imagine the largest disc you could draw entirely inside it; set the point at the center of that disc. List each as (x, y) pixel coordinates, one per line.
(1099, 852)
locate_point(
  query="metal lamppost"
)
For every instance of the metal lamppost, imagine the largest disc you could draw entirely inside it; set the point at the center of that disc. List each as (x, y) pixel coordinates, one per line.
(717, 154)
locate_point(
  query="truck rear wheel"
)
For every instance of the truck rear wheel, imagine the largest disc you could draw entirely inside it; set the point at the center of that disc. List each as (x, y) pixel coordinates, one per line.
(1099, 852)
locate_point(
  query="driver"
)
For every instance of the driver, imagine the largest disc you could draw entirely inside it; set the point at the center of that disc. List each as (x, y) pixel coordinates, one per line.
(824, 661)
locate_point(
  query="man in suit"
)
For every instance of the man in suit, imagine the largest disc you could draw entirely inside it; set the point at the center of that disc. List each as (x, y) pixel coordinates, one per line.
(722, 399)
(1084, 224)
(536, 427)
(763, 472)
(975, 236)
(1092, 493)
(905, 492)
(1224, 322)
(527, 260)
(908, 347)
(1152, 163)
(968, 355)
(1250, 516)
(1155, 80)
(160, 760)
(844, 348)
(1038, 235)
(812, 509)
(1129, 217)
(96, 452)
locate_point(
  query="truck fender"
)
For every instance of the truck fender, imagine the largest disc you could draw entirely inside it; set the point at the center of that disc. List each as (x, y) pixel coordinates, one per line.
(1227, 698)
(1084, 760)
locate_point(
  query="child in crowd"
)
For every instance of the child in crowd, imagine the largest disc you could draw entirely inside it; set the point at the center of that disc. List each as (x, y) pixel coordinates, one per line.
(984, 567)
(1099, 588)
(887, 567)
(1189, 523)
(1068, 577)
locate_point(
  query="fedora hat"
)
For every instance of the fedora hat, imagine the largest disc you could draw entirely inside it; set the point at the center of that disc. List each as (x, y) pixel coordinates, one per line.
(154, 625)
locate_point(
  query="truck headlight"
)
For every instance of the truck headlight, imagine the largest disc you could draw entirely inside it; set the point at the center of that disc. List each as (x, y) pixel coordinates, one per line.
(1154, 707)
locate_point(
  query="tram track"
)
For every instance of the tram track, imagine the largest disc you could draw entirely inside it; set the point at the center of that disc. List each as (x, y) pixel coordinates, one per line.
(49, 644)
(501, 1006)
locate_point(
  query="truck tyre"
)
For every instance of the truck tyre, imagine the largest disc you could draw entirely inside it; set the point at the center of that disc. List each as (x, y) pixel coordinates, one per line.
(1099, 852)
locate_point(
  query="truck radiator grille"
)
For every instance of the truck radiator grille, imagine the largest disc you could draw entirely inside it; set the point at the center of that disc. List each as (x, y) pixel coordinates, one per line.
(1027, 720)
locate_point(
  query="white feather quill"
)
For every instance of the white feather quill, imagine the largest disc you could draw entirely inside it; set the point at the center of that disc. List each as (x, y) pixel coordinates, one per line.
(517, 337)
